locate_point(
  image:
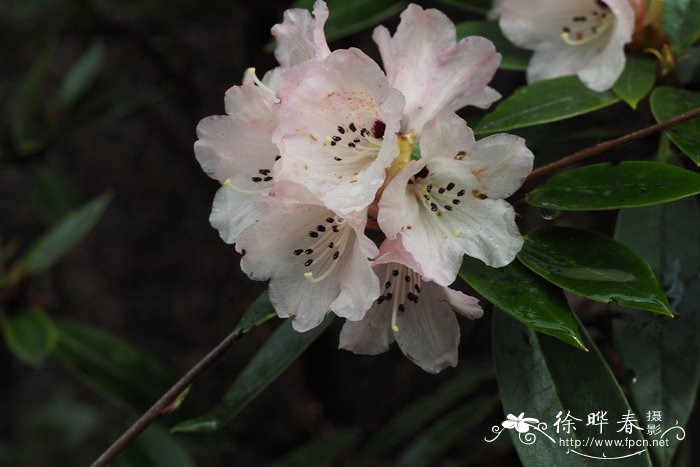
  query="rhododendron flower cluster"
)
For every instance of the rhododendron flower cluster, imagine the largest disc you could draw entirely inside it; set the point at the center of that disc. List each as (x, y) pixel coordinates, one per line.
(357, 190)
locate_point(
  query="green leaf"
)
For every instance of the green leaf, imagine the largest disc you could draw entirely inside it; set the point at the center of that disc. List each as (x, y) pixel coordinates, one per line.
(688, 64)
(319, 452)
(53, 194)
(428, 448)
(30, 335)
(23, 105)
(474, 6)
(514, 58)
(350, 16)
(636, 80)
(155, 447)
(525, 296)
(605, 186)
(81, 75)
(259, 312)
(63, 236)
(655, 352)
(280, 350)
(542, 102)
(540, 377)
(594, 267)
(681, 20)
(410, 419)
(667, 102)
(116, 370)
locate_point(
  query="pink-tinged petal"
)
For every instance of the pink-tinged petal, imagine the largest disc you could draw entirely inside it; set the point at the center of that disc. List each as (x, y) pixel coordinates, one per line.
(428, 331)
(433, 71)
(398, 209)
(576, 37)
(338, 120)
(500, 163)
(463, 304)
(370, 336)
(300, 36)
(233, 212)
(311, 257)
(482, 100)
(447, 135)
(239, 145)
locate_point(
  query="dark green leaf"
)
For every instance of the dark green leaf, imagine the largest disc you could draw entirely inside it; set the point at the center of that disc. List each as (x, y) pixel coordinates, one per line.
(636, 80)
(657, 354)
(155, 447)
(30, 335)
(23, 106)
(474, 6)
(606, 186)
(116, 370)
(81, 75)
(526, 296)
(280, 350)
(542, 102)
(681, 20)
(429, 446)
(53, 194)
(514, 58)
(594, 267)
(63, 236)
(319, 452)
(410, 419)
(688, 64)
(259, 312)
(350, 16)
(541, 377)
(667, 102)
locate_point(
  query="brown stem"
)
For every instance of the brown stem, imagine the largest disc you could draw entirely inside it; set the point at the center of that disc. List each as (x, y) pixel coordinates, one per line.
(164, 404)
(610, 144)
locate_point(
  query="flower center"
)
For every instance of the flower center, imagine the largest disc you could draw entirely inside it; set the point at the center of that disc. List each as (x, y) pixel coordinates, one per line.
(261, 177)
(328, 242)
(352, 144)
(401, 288)
(584, 28)
(406, 144)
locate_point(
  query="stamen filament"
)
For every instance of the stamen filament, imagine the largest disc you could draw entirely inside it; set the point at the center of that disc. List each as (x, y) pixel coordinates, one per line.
(229, 184)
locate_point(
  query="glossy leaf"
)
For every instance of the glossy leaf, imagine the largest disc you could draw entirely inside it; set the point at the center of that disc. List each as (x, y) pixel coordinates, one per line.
(688, 64)
(656, 353)
(348, 17)
(53, 194)
(319, 452)
(543, 102)
(525, 296)
(594, 267)
(410, 419)
(681, 21)
(606, 186)
(541, 377)
(474, 6)
(513, 58)
(30, 335)
(280, 350)
(636, 80)
(259, 312)
(113, 368)
(667, 102)
(428, 448)
(81, 75)
(63, 236)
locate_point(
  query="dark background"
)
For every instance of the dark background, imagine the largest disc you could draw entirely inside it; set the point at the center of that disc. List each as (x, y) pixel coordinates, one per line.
(153, 272)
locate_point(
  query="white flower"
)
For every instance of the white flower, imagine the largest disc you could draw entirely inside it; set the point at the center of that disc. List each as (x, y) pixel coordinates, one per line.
(571, 37)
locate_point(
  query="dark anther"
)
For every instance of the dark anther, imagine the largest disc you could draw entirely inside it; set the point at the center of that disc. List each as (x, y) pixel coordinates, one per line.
(267, 179)
(331, 245)
(313, 234)
(320, 228)
(461, 193)
(308, 251)
(341, 130)
(395, 272)
(352, 127)
(329, 220)
(422, 173)
(308, 262)
(336, 254)
(417, 287)
(387, 285)
(278, 157)
(378, 129)
(433, 207)
(402, 308)
(298, 252)
(456, 201)
(256, 179)
(450, 186)
(337, 138)
(407, 278)
(448, 207)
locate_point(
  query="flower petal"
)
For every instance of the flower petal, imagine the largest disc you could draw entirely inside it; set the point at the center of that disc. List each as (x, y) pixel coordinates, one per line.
(232, 213)
(337, 124)
(370, 336)
(428, 332)
(311, 257)
(300, 37)
(433, 71)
